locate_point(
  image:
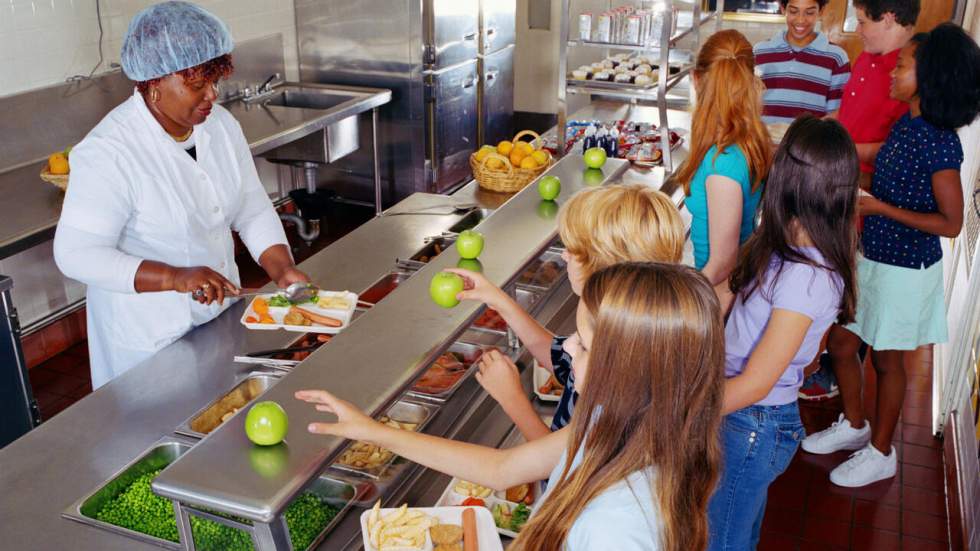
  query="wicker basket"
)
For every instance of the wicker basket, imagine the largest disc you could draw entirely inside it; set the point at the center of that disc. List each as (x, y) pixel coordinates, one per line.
(60, 180)
(509, 178)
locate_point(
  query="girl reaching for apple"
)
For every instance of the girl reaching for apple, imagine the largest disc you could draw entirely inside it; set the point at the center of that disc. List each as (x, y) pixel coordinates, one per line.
(635, 469)
(599, 227)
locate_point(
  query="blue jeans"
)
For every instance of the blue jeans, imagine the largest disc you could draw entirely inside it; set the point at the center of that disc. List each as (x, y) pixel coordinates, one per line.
(758, 444)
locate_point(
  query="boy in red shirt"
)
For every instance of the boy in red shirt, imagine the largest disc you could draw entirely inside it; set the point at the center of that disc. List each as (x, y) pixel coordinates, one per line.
(868, 113)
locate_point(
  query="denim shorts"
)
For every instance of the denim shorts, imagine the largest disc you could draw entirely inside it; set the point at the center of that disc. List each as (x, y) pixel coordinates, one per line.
(758, 443)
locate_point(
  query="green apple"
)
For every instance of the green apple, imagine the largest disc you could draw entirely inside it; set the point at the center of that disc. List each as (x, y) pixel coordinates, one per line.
(594, 157)
(548, 210)
(549, 187)
(593, 176)
(266, 423)
(469, 244)
(471, 264)
(269, 461)
(444, 288)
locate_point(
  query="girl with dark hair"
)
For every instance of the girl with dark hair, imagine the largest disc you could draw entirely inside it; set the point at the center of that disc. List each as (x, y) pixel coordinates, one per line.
(635, 469)
(795, 278)
(916, 198)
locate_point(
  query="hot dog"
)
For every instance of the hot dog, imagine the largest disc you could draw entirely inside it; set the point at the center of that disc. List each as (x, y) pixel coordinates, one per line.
(316, 318)
(469, 530)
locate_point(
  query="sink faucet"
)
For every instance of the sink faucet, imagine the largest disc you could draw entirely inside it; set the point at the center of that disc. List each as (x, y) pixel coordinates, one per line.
(267, 85)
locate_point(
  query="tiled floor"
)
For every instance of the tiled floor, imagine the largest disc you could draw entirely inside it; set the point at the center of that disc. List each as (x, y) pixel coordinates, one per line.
(805, 511)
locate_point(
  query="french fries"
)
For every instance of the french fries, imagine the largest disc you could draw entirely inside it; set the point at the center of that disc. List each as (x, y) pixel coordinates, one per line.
(470, 489)
(402, 530)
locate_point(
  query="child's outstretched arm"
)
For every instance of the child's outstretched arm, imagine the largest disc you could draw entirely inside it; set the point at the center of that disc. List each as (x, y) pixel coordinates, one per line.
(780, 342)
(535, 337)
(499, 377)
(949, 196)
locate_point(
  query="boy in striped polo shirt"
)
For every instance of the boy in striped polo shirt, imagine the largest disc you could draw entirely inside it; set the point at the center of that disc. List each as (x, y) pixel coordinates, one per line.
(803, 72)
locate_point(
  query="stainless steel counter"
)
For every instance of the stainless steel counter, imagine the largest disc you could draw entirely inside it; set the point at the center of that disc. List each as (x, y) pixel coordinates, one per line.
(31, 207)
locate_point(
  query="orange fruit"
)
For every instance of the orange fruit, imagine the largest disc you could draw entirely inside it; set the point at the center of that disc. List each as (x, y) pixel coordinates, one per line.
(529, 162)
(483, 152)
(58, 163)
(516, 156)
(505, 147)
(260, 306)
(541, 157)
(524, 147)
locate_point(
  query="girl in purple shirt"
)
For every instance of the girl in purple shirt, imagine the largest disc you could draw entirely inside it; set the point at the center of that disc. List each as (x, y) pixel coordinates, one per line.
(795, 277)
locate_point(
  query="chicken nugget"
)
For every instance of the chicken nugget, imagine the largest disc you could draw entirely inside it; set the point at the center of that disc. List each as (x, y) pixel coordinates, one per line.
(446, 533)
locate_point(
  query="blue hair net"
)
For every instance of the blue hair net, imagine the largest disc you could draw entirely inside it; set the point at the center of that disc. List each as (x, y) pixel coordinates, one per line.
(170, 37)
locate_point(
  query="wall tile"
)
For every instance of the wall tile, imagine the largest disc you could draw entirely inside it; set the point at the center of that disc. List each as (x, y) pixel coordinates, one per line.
(42, 42)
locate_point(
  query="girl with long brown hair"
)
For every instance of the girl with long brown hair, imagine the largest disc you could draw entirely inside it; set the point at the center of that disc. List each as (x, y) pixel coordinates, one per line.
(635, 468)
(730, 153)
(796, 277)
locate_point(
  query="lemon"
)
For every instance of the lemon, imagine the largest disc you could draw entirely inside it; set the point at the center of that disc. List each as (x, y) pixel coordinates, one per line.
(505, 147)
(516, 156)
(58, 163)
(541, 157)
(524, 147)
(529, 162)
(484, 151)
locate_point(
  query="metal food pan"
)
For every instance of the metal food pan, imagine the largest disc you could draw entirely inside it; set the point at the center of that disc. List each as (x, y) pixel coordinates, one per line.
(209, 417)
(403, 411)
(381, 288)
(336, 493)
(526, 298)
(161, 454)
(470, 354)
(537, 276)
(433, 249)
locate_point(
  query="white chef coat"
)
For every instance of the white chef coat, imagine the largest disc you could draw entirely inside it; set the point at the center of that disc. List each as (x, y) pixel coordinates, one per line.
(135, 194)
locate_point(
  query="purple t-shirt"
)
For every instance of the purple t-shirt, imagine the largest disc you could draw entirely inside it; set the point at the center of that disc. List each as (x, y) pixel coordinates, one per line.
(813, 292)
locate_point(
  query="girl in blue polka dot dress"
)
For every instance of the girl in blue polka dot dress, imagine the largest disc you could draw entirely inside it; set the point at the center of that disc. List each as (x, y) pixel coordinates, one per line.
(916, 198)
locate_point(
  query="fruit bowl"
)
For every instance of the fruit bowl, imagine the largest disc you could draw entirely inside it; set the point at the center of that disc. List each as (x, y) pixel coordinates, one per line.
(60, 180)
(496, 171)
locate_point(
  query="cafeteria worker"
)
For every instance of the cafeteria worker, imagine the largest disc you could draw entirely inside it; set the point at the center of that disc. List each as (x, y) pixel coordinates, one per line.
(156, 189)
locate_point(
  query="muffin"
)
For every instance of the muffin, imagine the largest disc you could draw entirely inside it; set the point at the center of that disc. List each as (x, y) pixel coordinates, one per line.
(580, 75)
(624, 78)
(603, 75)
(643, 80)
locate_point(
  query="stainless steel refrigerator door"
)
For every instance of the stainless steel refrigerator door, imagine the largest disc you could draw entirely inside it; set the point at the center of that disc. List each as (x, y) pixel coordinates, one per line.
(452, 32)
(451, 117)
(497, 96)
(499, 26)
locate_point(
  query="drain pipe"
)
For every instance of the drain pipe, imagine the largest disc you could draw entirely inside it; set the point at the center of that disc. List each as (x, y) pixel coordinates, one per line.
(308, 230)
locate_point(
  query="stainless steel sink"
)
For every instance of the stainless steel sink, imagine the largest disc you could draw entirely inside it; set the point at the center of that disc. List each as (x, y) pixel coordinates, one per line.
(300, 97)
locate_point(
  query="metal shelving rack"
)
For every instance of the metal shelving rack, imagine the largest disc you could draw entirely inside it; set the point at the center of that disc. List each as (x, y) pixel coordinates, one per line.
(665, 49)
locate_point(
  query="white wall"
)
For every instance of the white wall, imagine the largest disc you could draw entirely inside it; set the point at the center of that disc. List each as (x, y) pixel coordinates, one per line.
(43, 42)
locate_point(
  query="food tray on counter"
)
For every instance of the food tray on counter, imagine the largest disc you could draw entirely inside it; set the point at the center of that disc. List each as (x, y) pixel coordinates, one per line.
(544, 272)
(383, 287)
(381, 459)
(487, 538)
(610, 85)
(277, 313)
(440, 386)
(490, 320)
(541, 377)
(451, 496)
(222, 409)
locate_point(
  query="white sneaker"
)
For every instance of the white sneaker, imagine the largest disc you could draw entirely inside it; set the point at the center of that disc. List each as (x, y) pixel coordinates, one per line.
(840, 436)
(864, 467)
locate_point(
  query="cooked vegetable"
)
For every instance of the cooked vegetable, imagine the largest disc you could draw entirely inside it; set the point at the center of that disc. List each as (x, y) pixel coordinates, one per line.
(278, 301)
(251, 319)
(519, 517)
(138, 508)
(260, 306)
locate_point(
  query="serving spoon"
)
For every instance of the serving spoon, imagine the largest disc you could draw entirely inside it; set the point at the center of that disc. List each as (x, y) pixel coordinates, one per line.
(301, 291)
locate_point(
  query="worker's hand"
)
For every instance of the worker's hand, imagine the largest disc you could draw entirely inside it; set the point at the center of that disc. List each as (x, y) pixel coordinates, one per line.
(351, 422)
(291, 275)
(204, 284)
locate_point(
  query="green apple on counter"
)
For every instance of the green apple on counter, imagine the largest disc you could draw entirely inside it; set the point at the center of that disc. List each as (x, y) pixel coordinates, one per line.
(469, 244)
(444, 287)
(266, 423)
(594, 157)
(549, 187)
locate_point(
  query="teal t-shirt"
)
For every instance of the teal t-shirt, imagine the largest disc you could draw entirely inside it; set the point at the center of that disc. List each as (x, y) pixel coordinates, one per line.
(732, 164)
